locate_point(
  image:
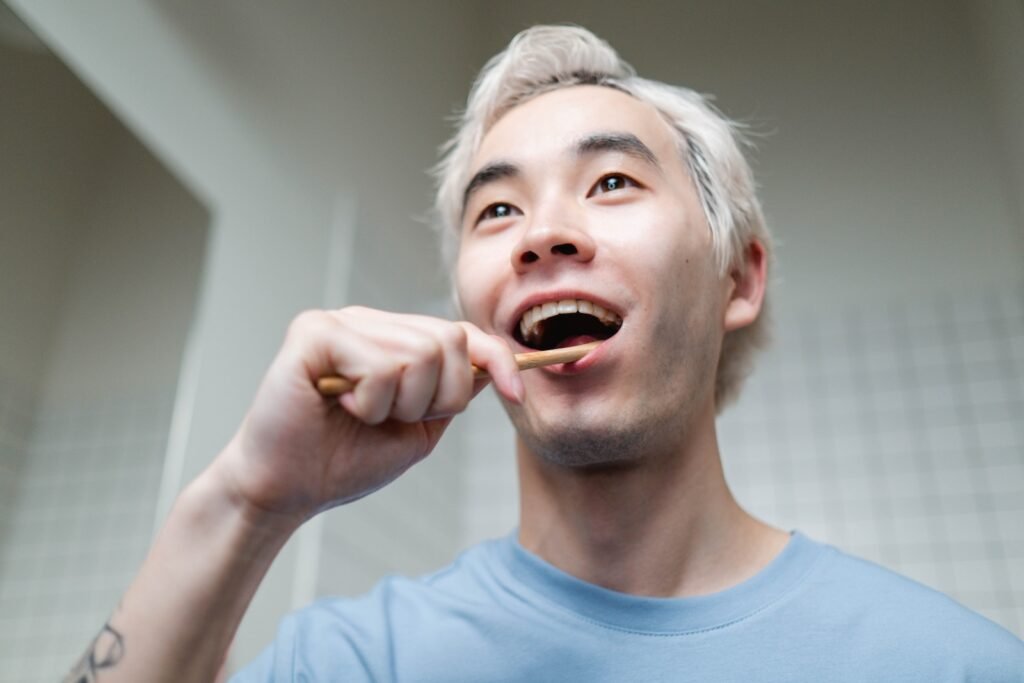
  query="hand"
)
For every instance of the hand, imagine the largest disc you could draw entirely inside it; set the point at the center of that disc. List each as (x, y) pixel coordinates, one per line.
(298, 453)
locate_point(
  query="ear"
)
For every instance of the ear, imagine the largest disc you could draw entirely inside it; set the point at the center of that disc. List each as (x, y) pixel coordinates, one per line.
(746, 288)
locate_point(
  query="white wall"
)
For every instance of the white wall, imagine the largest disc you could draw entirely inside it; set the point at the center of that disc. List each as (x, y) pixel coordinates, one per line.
(996, 29)
(102, 252)
(894, 432)
(43, 171)
(46, 174)
(133, 280)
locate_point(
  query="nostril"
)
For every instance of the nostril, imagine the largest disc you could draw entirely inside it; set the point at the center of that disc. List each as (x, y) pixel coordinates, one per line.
(566, 249)
(529, 257)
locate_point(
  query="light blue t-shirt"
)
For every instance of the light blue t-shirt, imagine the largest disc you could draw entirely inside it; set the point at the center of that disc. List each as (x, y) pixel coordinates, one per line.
(500, 613)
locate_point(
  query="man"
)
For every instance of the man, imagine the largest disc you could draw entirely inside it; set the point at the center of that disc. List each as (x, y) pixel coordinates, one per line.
(582, 203)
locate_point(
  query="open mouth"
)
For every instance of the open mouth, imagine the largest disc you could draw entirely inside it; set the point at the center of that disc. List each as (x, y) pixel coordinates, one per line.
(565, 323)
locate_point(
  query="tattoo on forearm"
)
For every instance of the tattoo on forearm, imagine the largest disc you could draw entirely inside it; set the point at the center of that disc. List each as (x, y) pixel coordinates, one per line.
(105, 652)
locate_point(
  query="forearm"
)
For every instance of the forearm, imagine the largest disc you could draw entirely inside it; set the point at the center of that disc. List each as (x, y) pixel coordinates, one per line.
(178, 617)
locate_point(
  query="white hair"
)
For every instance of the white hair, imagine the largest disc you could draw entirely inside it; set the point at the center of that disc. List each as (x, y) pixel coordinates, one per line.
(546, 58)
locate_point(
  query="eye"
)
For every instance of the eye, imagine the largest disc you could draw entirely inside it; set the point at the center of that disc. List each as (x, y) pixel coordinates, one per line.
(497, 211)
(611, 183)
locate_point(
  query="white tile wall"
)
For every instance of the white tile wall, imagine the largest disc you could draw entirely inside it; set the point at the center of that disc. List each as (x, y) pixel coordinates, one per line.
(894, 432)
(492, 482)
(411, 527)
(81, 526)
(16, 404)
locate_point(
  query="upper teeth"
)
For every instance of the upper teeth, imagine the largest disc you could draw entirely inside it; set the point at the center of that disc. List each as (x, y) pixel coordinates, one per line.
(528, 325)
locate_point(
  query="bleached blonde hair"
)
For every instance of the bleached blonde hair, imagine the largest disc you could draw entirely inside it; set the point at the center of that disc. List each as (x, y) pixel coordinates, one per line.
(546, 58)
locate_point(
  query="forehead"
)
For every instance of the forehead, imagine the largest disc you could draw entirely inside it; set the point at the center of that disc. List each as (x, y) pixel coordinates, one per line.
(552, 123)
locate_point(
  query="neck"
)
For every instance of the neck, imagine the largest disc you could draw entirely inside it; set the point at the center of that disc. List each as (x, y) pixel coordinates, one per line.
(664, 525)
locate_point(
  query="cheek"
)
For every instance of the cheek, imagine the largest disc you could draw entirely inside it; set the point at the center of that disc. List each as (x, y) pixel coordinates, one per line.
(463, 292)
(669, 248)
(476, 282)
(673, 269)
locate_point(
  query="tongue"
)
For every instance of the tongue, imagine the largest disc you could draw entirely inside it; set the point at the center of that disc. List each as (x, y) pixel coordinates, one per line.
(576, 340)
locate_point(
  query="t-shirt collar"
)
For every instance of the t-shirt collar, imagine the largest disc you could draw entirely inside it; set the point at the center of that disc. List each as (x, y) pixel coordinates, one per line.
(535, 578)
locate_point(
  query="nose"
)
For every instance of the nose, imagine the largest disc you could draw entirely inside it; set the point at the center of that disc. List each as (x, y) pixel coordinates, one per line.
(549, 243)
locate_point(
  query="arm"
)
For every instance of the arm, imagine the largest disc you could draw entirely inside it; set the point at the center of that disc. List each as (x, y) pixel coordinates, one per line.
(295, 454)
(178, 617)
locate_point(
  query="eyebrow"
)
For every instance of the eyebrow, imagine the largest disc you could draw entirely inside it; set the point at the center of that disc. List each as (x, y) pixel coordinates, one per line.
(493, 172)
(624, 143)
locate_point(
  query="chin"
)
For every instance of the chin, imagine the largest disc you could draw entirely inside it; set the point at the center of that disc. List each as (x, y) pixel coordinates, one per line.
(588, 443)
(613, 428)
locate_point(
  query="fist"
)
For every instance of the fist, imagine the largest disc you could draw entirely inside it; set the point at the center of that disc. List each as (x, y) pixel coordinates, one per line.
(298, 452)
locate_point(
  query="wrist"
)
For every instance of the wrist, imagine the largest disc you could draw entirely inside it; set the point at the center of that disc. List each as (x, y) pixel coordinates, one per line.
(216, 493)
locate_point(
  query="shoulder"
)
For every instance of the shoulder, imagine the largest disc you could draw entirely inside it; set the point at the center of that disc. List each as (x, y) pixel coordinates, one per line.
(401, 597)
(882, 594)
(888, 613)
(358, 634)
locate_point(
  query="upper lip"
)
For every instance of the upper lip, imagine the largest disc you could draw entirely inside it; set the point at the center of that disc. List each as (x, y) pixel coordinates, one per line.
(512, 324)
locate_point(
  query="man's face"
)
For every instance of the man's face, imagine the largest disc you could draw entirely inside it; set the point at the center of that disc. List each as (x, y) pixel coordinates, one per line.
(581, 195)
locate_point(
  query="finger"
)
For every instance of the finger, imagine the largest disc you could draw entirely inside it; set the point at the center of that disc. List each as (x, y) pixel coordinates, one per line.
(374, 394)
(455, 383)
(419, 381)
(419, 344)
(354, 352)
(493, 354)
(310, 341)
(456, 387)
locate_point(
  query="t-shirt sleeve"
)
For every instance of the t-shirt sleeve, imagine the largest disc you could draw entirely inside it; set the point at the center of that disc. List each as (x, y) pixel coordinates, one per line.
(332, 639)
(277, 662)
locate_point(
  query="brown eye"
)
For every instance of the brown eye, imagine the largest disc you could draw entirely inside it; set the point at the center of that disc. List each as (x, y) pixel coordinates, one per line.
(497, 211)
(611, 183)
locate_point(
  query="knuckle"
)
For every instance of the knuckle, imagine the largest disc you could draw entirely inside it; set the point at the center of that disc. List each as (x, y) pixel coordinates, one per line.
(426, 348)
(455, 335)
(385, 373)
(305, 321)
(490, 342)
(347, 313)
